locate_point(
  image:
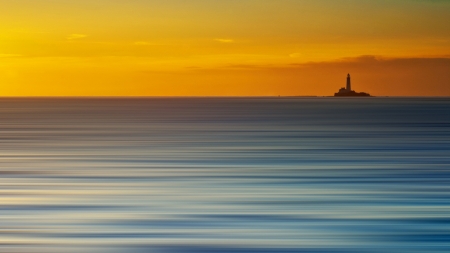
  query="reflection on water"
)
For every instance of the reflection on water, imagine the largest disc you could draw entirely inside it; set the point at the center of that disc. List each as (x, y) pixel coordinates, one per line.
(225, 175)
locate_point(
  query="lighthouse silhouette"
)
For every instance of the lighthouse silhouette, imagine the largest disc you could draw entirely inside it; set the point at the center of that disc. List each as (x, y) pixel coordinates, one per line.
(348, 92)
(349, 83)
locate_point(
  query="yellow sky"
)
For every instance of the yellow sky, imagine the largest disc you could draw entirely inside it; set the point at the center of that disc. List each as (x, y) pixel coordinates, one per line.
(216, 47)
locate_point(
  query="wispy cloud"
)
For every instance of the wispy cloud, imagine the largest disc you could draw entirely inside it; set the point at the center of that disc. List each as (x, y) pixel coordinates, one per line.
(9, 55)
(295, 55)
(141, 43)
(146, 43)
(224, 40)
(75, 36)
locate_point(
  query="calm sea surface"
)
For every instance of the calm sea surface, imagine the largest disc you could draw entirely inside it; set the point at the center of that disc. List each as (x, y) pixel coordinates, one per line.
(225, 175)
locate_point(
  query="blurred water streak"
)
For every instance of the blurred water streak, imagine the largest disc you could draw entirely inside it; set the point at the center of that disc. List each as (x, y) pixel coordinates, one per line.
(225, 175)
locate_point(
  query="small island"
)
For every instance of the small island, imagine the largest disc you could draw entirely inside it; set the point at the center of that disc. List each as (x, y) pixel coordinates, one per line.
(348, 92)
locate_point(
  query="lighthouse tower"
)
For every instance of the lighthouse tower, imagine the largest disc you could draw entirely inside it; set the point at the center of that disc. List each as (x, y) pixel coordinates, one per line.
(349, 84)
(348, 92)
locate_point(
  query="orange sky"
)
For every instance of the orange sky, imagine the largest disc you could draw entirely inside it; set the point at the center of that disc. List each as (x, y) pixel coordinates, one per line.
(222, 48)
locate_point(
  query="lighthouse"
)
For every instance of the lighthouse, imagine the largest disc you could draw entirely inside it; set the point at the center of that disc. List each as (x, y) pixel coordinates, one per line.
(349, 84)
(348, 92)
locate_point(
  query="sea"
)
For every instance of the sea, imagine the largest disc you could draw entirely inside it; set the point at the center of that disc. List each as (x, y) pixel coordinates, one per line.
(200, 175)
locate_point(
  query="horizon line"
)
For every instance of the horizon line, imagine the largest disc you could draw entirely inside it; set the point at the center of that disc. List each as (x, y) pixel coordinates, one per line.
(218, 96)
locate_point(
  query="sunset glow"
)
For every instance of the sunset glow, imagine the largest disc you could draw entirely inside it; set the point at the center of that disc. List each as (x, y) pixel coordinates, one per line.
(223, 48)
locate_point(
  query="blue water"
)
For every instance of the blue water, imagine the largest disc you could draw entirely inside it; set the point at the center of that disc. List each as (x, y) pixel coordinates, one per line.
(225, 175)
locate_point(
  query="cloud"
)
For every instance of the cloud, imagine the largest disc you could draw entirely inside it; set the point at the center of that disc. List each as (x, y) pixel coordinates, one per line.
(295, 55)
(224, 40)
(75, 36)
(377, 75)
(146, 43)
(9, 55)
(141, 43)
(373, 61)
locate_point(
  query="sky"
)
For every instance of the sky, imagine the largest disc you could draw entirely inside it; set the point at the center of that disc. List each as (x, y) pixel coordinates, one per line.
(224, 48)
